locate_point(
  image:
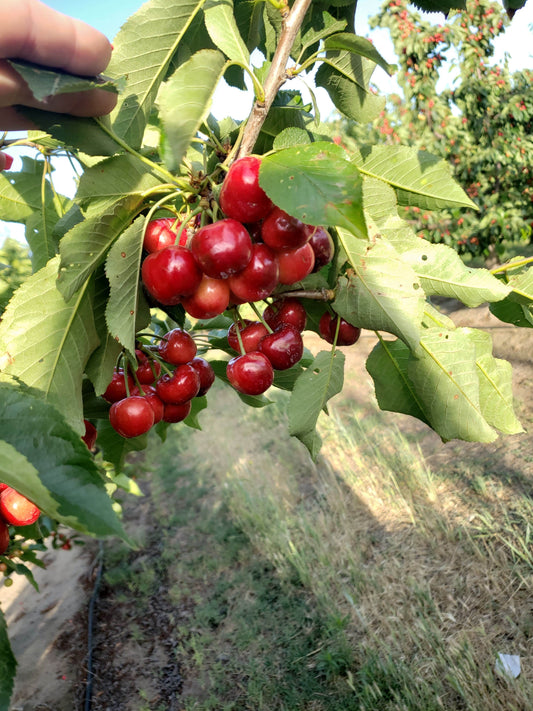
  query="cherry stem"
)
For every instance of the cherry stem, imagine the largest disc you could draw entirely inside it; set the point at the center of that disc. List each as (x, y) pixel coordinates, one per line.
(260, 317)
(317, 295)
(512, 265)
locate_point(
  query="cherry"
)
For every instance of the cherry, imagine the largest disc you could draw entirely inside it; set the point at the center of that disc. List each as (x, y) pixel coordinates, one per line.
(209, 300)
(171, 274)
(322, 244)
(295, 264)
(283, 348)
(3, 486)
(286, 310)
(16, 509)
(177, 347)
(150, 394)
(251, 373)
(159, 234)
(222, 249)
(251, 333)
(259, 278)
(4, 537)
(181, 386)
(176, 413)
(281, 231)
(148, 371)
(327, 327)
(132, 416)
(90, 434)
(241, 196)
(116, 390)
(206, 373)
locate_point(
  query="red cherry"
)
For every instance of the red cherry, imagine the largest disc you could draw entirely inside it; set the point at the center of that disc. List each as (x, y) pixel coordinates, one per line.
(222, 249)
(206, 373)
(90, 434)
(241, 196)
(259, 278)
(281, 231)
(171, 274)
(132, 416)
(116, 390)
(283, 348)
(150, 394)
(295, 264)
(251, 333)
(4, 537)
(148, 371)
(322, 244)
(327, 327)
(251, 373)
(159, 234)
(176, 413)
(286, 310)
(16, 509)
(209, 300)
(181, 386)
(3, 486)
(177, 347)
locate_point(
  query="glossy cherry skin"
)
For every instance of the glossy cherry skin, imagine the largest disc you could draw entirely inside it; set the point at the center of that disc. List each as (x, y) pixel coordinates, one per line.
(16, 509)
(286, 310)
(295, 264)
(181, 386)
(283, 348)
(132, 416)
(259, 278)
(176, 413)
(222, 249)
(251, 333)
(171, 274)
(281, 231)
(116, 390)
(206, 373)
(251, 373)
(150, 395)
(209, 300)
(327, 327)
(177, 347)
(322, 244)
(241, 196)
(159, 234)
(90, 434)
(4, 537)
(148, 371)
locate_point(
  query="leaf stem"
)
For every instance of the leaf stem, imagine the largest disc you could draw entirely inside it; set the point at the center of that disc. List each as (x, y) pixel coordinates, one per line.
(512, 265)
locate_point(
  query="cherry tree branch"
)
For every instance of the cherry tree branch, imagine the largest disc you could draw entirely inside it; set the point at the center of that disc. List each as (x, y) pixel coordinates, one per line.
(292, 21)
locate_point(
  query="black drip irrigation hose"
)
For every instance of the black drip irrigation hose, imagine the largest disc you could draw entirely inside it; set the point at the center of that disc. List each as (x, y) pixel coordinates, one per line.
(90, 626)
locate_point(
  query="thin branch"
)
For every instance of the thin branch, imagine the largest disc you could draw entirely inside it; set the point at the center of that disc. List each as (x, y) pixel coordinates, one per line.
(277, 75)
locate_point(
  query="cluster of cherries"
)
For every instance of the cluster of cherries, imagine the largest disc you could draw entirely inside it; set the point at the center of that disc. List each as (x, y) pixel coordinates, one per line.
(239, 259)
(15, 510)
(160, 388)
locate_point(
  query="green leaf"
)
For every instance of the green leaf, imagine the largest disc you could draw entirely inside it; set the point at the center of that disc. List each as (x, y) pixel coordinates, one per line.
(85, 247)
(495, 386)
(8, 666)
(46, 342)
(115, 448)
(290, 137)
(122, 269)
(379, 200)
(197, 405)
(316, 184)
(322, 380)
(191, 88)
(350, 99)
(20, 193)
(222, 27)
(44, 82)
(359, 46)
(388, 365)
(80, 134)
(287, 111)
(320, 28)
(51, 464)
(384, 295)
(419, 178)
(144, 48)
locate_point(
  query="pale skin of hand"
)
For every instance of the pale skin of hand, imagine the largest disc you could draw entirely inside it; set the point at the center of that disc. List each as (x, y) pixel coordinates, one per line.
(32, 31)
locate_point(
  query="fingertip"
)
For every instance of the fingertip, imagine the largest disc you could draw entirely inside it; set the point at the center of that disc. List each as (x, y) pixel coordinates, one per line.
(6, 161)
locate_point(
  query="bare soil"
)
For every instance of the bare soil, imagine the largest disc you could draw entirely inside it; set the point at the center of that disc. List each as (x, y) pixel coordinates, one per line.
(134, 660)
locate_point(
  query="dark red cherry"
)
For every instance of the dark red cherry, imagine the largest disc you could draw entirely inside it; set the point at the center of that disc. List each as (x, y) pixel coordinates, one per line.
(209, 300)
(181, 386)
(251, 333)
(241, 196)
(295, 264)
(206, 373)
(162, 233)
(283, 348)
(322, 245)
(222, 249)
(132, 416)
(116, 390)
(259, 278)
(177, 347)
(176, 413)
(327, 327)
(281, 231)
(171, 274)
(251, 373)
(287, 310)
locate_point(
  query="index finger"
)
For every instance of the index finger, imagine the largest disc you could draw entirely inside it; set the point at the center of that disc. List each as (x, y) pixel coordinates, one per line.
(30, 30)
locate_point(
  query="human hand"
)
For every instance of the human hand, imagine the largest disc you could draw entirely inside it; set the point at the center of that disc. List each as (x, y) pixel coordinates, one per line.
(32, 31)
